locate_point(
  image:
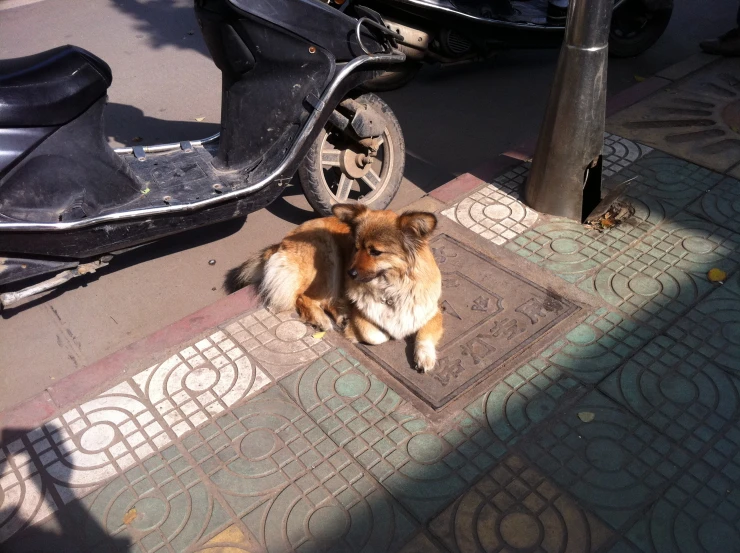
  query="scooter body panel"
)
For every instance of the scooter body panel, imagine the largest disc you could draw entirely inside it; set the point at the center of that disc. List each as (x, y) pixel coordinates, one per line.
(280, 85)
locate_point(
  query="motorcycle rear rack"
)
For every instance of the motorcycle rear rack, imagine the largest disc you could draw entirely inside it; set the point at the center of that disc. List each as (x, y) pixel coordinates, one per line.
(319, 105)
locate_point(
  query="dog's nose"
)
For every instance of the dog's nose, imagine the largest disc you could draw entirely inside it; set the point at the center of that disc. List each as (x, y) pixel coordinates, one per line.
(352, 273)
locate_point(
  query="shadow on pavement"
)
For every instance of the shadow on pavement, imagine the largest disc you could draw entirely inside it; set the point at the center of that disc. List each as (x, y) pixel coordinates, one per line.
(147, 252)
(125, 124)
(165, 23)
(66, 529)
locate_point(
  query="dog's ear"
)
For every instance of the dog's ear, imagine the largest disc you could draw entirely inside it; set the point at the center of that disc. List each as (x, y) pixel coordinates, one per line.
(348, 212)
(417, 224)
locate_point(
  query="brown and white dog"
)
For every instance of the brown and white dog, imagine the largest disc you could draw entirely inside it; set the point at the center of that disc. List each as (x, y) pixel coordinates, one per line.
(372, 271)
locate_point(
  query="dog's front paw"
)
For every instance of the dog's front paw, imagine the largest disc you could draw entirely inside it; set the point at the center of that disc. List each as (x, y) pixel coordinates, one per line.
(425, 357)
(342, 321)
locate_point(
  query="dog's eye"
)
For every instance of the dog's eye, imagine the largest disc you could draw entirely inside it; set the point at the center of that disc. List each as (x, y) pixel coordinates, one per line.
(374, 252)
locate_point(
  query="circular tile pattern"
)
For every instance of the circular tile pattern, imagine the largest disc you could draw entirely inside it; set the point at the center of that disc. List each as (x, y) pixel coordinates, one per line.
(352, 384)
(695, 244)
(605, 454)
(97, 437)
(497, 212)
(520, 530)
(290, 330)
(493, 213)
(258, 444)
(715, 535)
(731, 332)
(201, 379)
(564, 246)
(150, 513)
(644, 286)
(328, 523)
(678, 388)
(426, 448)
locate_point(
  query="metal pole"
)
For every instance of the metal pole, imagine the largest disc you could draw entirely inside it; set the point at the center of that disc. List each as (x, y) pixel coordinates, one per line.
(565, 178)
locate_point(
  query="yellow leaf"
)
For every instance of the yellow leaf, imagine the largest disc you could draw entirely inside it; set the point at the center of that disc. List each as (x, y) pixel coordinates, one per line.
(199, 119)
(586, 416)
(129, 517)
(146, 191)
(319, 335)
(716, 275)
(639, 79)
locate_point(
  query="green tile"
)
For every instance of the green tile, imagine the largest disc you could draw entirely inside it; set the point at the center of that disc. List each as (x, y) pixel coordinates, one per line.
(614, 464)
(515, 508)
(420, 469)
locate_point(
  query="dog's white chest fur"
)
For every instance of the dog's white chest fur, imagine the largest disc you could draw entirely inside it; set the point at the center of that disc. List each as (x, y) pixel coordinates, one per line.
(399, 309)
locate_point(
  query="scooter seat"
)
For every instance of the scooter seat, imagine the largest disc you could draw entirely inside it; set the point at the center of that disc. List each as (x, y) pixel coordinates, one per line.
(50, 88)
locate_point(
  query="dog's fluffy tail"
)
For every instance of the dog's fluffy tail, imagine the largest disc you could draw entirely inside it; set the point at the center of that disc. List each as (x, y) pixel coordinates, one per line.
(252, 271)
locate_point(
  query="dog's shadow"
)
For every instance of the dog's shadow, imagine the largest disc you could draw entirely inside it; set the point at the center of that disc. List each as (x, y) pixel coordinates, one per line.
(409, 349)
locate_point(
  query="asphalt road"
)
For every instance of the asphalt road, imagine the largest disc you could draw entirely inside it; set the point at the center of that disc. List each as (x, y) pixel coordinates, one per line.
(453, 119)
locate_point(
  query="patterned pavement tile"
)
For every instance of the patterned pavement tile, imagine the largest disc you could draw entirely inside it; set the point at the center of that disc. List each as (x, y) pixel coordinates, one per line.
(497, 213)
(292, 487)
(571, 250)
(670, 179)
(679, 391)
(163, 501)
(515, 508)
(24, 497)
(370, 421)
(201, 381)
(721, 205)
(526, 397)
(620, 152)
(712, 330)
(665, 273)
(230, 540)
(732, 284)
(597, 346)
(97, 440)
(614, 465)
(279, 343)
(420, 544)
(700, 512)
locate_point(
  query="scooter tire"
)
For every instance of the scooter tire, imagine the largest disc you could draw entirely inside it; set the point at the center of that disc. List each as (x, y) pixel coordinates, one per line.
(310, 172)
(393, 79)
(629, 47)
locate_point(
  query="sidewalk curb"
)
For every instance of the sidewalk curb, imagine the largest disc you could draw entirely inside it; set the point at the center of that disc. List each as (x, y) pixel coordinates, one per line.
(104, 373)
(100, 375)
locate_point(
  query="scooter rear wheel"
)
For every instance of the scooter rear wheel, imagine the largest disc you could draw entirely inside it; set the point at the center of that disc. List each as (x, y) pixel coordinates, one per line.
(339, 170)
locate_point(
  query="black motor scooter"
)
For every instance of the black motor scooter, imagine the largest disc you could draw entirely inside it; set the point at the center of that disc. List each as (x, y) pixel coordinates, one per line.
(448, 32)
(69, 203)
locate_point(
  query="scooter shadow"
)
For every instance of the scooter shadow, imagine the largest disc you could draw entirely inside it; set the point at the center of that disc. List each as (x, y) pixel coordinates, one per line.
(129, 126)
(165, 23)
(147, 252)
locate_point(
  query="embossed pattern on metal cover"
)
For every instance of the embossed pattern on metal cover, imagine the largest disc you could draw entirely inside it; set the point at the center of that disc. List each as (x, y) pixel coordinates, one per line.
(490, 316)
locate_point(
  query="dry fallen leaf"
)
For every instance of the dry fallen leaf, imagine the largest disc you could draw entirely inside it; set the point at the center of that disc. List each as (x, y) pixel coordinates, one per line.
(319, 335)
(716, 275)
(129, 517)
(586, 416)
(199, 119)
(639, 79)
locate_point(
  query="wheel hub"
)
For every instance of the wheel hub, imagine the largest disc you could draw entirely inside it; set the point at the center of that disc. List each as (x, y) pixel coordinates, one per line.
(354, 165)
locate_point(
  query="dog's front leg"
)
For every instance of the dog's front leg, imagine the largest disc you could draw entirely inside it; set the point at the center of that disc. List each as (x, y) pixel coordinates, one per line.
(360, 329)
(425, 347)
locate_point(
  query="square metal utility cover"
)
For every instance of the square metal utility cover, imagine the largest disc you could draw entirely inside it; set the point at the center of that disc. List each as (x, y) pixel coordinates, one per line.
(697, 118)
(490, 315)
